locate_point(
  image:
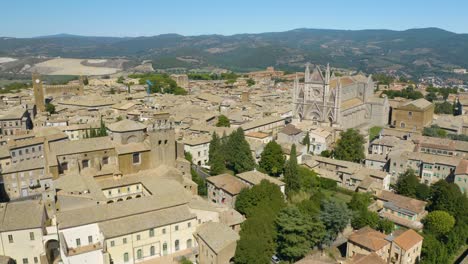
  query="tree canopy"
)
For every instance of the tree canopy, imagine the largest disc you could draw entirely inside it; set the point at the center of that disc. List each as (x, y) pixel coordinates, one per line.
(296, 233)
(291, 175)
(223, 121)
(238, 155)
(350, 146)
(272, 159)
(439, 222)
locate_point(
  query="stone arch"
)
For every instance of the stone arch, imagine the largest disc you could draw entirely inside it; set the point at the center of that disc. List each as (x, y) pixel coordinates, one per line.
(132, 139)
(314, 115)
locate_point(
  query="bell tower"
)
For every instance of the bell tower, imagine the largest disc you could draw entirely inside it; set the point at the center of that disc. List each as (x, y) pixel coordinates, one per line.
(38, 92)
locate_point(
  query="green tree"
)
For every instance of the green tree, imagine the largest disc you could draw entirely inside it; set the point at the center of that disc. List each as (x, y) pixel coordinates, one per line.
(306, 141)
(120, 79)
(272, 159)
(431, 96)
(360, 201)
(102, 129)
(188, 156)
(448, 197)
(350, 146)
(238, 155)
(200, 182)
(326, 153)
(439, 222)
(261, 205)
(407, 183)
(223, 121)
(433, 251)
(215, 156)
(386, 226)
(443, 108)
(335, 216)
(308, 179)
(266, 193)
(291, 175)
(364, 218)
(296, 234)
(250, 82)
(50, 108)
(257, 238)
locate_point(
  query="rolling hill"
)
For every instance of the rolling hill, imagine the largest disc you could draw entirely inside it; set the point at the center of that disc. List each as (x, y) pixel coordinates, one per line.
(413, 52)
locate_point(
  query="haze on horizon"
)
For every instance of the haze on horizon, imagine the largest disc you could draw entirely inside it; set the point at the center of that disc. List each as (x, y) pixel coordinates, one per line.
(121, 18)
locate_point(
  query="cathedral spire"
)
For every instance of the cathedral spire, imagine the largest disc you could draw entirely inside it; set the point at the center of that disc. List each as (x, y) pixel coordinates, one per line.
(327, 74)
(307, 73)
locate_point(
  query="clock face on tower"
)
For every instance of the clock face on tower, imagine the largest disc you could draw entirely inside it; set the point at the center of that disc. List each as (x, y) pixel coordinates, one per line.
(37, 80)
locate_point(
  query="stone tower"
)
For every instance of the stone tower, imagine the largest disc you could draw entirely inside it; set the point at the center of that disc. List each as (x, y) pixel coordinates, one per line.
(38, 92)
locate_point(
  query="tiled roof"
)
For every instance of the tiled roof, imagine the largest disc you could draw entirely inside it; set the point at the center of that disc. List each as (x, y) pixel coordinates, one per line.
(408, 239)
(369, 238)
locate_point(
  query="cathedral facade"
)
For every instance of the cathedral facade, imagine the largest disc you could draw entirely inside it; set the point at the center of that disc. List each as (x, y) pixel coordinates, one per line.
(342, 102)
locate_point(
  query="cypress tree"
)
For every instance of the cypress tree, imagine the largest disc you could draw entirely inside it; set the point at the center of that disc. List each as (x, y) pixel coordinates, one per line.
(291, 175)
(239, 157)
(216, 157)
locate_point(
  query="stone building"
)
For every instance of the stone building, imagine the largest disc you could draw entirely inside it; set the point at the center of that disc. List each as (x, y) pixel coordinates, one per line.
(398, 247)
(345, 102)
(217, 243)
(413, 116)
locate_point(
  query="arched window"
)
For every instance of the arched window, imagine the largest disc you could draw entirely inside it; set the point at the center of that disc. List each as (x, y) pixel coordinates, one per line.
(152, 252)
(189, 243)
(125, 257)
(139, 254)
(165, 248)
(177, 245)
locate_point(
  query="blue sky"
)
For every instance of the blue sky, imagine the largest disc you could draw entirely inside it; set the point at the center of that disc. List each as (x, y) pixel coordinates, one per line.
(26, 18)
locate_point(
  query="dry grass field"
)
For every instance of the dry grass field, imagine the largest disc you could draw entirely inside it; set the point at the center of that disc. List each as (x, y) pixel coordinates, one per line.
(64, 66)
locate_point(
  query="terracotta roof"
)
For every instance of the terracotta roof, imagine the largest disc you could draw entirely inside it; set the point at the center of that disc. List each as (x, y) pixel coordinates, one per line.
(290, 130)
(408, 239)
(372, 258)
(404, 202)
(228, 183)
(462, 168)
(368, 238)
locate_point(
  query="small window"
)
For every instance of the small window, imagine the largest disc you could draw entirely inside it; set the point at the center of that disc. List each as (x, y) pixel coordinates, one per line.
(189, 224)
(85, 163)
(36, 260)
(177, 245)
(25, 261)
(31, 235)
(78, 242)
(64, 166)
(165, 248)
(139, 254)
(176, 228)
(152, 251)
(164, 231)
(126, 257)
(151, 232)
(410, 113)
(10, 238)
(112, 243)
(138, 237)
(136, 158)
(90, 239)
(105, 160)
(124, 240)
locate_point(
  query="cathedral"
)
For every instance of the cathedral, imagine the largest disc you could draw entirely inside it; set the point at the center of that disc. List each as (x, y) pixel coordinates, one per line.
(341, 102)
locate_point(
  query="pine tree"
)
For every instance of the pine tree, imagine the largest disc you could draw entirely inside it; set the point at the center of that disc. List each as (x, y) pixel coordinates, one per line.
(291, 175)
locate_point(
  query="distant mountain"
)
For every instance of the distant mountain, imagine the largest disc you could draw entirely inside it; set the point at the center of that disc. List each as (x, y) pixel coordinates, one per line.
(414, 51)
